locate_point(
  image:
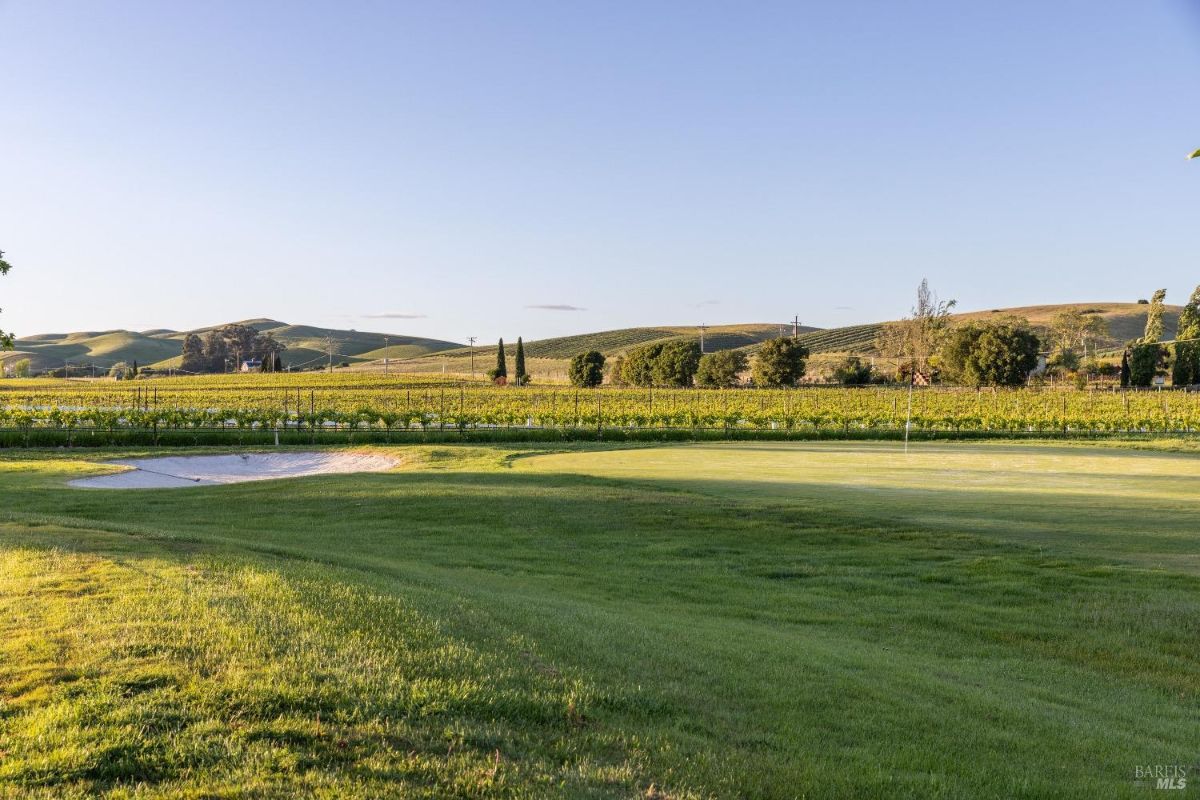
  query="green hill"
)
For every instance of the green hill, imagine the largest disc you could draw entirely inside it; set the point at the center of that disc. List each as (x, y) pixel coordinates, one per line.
(307, 345)
(162, 348)
(716, 337)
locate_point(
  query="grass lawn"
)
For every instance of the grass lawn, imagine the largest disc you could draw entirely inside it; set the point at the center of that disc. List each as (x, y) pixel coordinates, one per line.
(685, 621)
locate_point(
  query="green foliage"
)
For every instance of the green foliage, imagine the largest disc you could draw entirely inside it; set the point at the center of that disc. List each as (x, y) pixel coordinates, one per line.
(1145, 360)
(500, 372)
(1125, 377)
(6, 339)
(587, 369)
(637, 368)
(194, 357)
(993, 353)
(676, 363)
(522, 376)
(671, 363)
(721, 370)
(1154, 318)
(779, 362)
(852, 371)
(1186, 369)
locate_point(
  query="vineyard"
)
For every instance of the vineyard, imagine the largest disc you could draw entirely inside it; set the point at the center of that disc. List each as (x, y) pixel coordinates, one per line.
(371, 403)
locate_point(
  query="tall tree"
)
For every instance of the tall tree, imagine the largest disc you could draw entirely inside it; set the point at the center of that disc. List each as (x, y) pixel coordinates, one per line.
(194, 359)
(1186, 370)
(914, 340)
(522, 376)
(779, 362)
(500, 373)
(1145, 360)
(6, 339)
(1125, 370)
(1072, 330)
(1154, 318)
(587, 369)
(215, 351)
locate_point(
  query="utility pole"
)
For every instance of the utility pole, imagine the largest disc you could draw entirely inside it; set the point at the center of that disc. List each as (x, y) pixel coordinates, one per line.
(703, 328)
(329, 342)
(385, 355)
(796, 326)
(471, 342)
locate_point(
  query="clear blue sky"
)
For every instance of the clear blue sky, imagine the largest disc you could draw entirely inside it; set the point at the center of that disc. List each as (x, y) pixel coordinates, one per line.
(169, 164)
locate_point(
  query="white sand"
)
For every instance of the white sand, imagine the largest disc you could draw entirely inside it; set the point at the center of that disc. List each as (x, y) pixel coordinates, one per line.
(180, 471)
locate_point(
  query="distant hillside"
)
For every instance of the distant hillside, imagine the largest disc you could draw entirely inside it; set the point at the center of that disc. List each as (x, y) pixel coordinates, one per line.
(365, 350)
(1126, 321)
(716, 337)
(162, 348)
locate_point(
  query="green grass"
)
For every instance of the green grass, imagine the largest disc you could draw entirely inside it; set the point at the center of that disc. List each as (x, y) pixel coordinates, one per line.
(707, 620)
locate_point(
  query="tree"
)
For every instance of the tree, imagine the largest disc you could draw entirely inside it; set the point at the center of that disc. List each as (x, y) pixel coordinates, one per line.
(721, 370)
(1072, 330)
(587, 369)
(852, 372)
(215, 352)
(1186, 370)
(779, 362)
(1154, 318)
(1125, 370)
(913, 341)
(194, 359)
(616, 371)
(637, 368)
(1145, 360)
(994, 353)
(134, 368)
(522, 376)
(661, 364)
(676, 364)
(277, 363)
(6, 339)
(500, 373)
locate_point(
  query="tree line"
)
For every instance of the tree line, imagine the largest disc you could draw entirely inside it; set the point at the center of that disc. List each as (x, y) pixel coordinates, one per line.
(231, 344)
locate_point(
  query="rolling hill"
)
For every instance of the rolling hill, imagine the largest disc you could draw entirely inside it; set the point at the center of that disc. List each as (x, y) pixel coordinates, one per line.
(361, 350)
(161, 348)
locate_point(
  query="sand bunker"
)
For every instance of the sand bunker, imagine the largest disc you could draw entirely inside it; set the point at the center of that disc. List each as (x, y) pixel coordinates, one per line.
(181, 471)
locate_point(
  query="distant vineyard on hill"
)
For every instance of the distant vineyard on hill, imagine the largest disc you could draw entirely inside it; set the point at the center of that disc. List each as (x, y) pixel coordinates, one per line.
(717, 337)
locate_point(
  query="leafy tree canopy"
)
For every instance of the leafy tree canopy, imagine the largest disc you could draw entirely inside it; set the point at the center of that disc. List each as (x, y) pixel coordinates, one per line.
(587, 369)
(779, 362)
(992, 353)
(721, 370)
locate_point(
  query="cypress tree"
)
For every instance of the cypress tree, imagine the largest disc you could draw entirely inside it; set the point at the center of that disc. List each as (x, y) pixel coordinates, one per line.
(135, 368)
(501, 370)
(1125, 370)
(522, 376)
